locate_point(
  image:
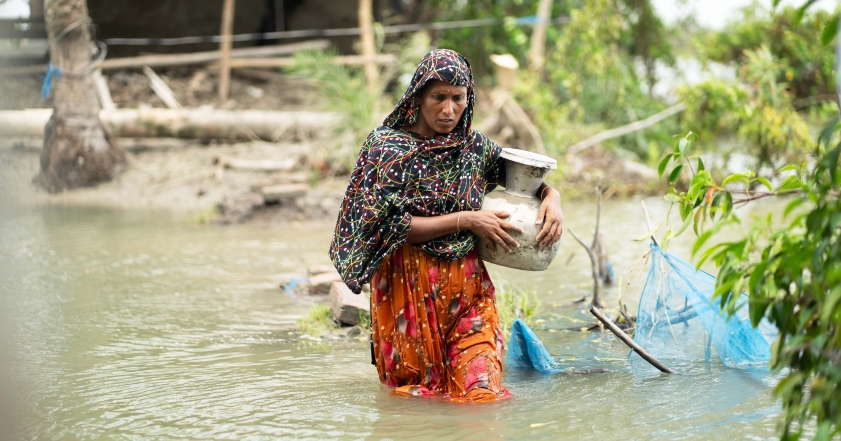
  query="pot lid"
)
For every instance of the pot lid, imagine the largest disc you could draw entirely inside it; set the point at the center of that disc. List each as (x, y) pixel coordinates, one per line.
(529, 158)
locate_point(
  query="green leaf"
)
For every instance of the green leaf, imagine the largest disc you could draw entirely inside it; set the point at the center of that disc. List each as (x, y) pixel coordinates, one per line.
(756, 309)
(790, 183)
(732, 178)
(718, 199)
(697, 220)
(681, 146)
(666, 239)
(671, 197)
(832, 159)
(792, 205)
(775, 3)
(663, 163)
(830, 30)
(765, 182)
(787, 385)
(789, 167)
(728, 205)
(801, 11)
(675, 175)
(648, 234)
(683, 227)
(707, 254)
(685, 210)
(700, 165)
(829, 307)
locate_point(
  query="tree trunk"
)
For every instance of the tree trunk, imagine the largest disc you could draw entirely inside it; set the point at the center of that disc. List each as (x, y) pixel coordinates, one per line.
(77, 149)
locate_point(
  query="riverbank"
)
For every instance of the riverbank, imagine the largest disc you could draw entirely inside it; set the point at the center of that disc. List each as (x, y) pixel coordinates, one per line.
(253, 182)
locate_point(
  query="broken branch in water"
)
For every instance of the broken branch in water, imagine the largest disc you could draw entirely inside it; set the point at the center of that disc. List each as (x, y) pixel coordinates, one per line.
(628, 341)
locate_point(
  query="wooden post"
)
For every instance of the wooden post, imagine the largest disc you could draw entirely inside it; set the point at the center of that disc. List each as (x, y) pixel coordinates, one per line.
(225, 32)
(78, 151)
(36, 9)
(366, 24)
(538, 35)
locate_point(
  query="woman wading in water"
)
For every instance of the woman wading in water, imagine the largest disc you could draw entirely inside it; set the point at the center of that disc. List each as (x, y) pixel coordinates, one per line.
(409, 223)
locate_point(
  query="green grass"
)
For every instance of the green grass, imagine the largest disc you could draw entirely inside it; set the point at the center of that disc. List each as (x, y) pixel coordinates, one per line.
(317, 321)
(513, 302)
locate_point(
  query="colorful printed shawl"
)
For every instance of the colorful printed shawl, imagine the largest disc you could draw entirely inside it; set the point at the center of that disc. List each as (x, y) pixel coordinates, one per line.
(400, 174)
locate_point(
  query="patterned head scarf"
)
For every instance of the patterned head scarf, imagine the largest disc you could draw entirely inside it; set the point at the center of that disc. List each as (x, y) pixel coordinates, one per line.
(442, 65)
(400, 174)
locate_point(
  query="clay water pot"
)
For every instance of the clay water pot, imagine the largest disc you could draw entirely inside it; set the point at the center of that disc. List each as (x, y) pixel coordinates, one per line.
(524, 172)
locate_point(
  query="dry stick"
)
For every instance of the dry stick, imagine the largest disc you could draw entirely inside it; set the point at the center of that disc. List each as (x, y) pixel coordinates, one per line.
(648, 222)
(595, 266)
(628, 341)
(226, 30)
(161, 89)
(624, 130)
(591, 250)
(102, 91)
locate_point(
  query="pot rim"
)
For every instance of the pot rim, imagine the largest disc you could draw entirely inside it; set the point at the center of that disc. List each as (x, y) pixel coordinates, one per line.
(529, 158)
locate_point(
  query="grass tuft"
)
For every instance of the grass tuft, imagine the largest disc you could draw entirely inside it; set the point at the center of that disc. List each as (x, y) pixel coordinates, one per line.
(317, 321)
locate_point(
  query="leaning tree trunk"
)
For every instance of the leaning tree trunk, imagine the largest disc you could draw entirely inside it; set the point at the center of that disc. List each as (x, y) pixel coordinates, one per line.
(78, 151)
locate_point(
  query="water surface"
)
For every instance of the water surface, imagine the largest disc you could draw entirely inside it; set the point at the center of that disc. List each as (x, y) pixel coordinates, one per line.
(129, 325)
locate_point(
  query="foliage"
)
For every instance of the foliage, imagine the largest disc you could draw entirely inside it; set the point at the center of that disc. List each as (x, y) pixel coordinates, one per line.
(804, 61)
(792, 273)
(345, 91)
(513, 302)
(756, 108)
(317, 321)
(589, 80)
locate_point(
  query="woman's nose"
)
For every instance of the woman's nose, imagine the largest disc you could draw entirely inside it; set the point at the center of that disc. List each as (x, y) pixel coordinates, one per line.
(448, 107)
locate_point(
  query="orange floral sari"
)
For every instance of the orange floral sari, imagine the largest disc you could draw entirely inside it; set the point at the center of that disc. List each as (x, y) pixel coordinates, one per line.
(435, 327)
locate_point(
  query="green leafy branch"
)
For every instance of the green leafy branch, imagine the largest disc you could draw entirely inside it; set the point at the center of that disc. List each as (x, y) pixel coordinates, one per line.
(791, 273)
(706, 199)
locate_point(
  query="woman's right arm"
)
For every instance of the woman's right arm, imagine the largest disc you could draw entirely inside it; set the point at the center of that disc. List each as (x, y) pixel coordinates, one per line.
(489, 226)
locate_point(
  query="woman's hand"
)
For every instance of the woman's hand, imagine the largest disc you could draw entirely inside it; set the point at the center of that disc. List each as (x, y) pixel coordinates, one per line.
(551, 217)
(491, 228)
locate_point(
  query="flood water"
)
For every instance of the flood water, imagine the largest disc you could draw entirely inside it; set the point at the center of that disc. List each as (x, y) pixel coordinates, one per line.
(130, 325)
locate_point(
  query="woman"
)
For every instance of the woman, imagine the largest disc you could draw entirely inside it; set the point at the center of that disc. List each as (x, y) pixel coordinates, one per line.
(409, 223)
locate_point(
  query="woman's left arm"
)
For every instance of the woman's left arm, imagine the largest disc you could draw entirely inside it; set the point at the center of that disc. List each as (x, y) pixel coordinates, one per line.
(549, 215)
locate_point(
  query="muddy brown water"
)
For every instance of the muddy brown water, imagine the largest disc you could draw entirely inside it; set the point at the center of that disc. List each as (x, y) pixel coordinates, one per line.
(131, 325)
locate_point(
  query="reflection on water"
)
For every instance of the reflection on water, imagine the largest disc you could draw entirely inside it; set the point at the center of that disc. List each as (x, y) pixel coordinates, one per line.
(136, 326)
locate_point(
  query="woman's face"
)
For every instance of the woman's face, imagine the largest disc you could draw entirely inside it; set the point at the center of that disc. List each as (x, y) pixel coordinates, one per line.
(441, 107)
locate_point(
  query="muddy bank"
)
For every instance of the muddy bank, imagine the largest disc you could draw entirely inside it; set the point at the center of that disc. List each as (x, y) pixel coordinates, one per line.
(187, 178)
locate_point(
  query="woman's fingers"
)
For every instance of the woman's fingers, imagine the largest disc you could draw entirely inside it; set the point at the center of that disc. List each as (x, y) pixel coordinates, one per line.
(543, 232)
(541, 214)
(501, 242)
(508, 226)
(502, 214)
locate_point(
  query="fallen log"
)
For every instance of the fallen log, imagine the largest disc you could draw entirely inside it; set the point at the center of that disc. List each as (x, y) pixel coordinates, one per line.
(264, 165)
(628, 341)
(283, 193)
(184, 123)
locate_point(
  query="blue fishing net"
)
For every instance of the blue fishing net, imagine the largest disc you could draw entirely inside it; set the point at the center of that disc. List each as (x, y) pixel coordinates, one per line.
(679, 319)
(526, 351)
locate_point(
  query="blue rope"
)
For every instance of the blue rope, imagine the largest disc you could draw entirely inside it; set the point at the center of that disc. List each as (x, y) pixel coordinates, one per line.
(52, 71)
